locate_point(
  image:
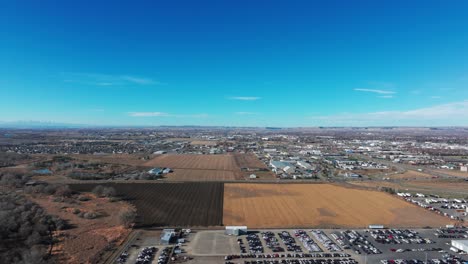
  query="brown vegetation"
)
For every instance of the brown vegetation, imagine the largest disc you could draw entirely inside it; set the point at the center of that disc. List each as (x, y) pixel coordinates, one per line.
(89, 236)
(411, 175)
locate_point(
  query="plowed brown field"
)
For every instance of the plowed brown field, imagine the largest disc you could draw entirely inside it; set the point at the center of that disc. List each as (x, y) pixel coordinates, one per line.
(319, 205)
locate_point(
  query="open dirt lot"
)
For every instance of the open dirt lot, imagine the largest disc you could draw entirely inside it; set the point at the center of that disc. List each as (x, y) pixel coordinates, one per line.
(88, 237)
(411, 175)
(455, 173)
(201, 162)
(319, 205)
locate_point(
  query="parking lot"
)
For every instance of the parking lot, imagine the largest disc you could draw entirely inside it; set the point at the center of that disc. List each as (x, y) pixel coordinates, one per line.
(455, 209)
(304, 246)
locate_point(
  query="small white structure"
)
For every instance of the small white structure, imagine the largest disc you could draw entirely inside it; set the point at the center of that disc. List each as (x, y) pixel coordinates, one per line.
(235, 230)
(253, 176)
(289, 169)
(376, 227)
(304, 165)
(464, 168)
(460, 245)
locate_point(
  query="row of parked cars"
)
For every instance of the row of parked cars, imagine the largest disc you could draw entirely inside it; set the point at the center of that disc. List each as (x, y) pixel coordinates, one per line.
(165, 256)
(401, 250)
(397, 236)
(325, 240)
(146, 255)
(308, 242)
(300, 261)
(289, 255)
(241, 246)
(459, 233)
(289, 242)
(452, 260)
(272, 242)
(255, 245)
(359, 243)
(122, 258)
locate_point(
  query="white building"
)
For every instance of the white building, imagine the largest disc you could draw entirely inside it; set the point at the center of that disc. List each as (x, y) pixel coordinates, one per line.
(304, 165)
(464, 168)
(460, 245)
(235, 230)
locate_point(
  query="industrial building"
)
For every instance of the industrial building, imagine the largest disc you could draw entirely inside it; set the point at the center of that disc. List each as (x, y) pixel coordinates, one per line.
(282, 166)
(304, 165)
(235, 230)
(156, 171)
(166, 236)
(460, 245)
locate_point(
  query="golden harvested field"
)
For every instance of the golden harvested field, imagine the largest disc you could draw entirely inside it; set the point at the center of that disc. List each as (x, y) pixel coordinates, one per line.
(200, 162)
(319, 205)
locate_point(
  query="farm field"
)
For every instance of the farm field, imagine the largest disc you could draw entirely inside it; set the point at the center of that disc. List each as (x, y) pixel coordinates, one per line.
(171, 204)
(127, 159)
(203, 175)
(201, 162)
(319, 205)
(248, 161)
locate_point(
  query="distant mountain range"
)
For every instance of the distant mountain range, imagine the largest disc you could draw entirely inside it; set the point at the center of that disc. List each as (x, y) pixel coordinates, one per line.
(38, 124)
(55, 125)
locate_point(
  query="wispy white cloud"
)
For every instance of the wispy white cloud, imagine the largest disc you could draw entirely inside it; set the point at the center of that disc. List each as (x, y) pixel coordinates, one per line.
(436, 97)
(374, 91)
(245, 98)
(444, 114)
(148, 114)
(138, 80)
(98, 79)
(386, 96)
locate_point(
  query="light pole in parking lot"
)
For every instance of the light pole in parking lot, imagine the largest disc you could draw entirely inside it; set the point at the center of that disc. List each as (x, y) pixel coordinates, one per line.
(425, 262)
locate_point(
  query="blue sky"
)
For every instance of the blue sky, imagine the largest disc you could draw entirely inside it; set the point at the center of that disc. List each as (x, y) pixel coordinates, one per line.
(235, 63)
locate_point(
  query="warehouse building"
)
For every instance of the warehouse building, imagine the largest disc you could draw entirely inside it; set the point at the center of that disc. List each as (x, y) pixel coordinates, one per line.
(279, 166)
(235, 230)
(166, 236)
(460, 245)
